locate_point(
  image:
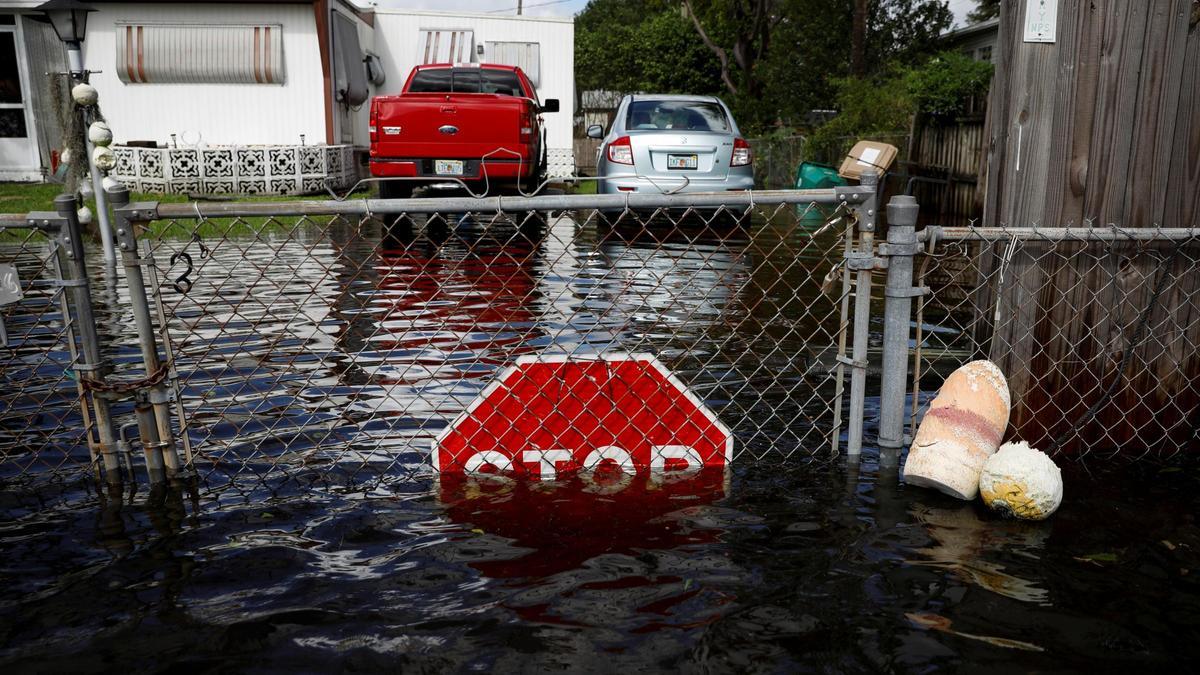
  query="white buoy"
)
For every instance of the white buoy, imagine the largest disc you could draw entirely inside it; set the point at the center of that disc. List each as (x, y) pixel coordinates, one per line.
(99, 134)
(109, 183)
(1021, 481)
(65, 156)
(85, 189)
(85, 215)
(85, 94)
(963, 427)
(104, 158)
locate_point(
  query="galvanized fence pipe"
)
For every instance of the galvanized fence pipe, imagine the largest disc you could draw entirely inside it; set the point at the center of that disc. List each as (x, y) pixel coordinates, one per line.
(158, 438)
(862, 261)
(633, 200)
(89, 368)
(899, 251)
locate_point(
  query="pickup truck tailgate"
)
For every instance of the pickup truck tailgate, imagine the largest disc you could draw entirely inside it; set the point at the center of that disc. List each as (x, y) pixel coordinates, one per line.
(451, 125)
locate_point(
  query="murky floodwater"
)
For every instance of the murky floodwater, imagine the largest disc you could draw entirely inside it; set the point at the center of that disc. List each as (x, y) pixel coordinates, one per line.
(273, 563)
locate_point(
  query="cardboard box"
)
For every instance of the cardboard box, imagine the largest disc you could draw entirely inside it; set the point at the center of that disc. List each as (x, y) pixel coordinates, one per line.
(868, 155)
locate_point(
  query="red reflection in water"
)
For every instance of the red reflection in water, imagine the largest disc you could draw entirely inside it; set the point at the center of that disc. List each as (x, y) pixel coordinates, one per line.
(568, 522)
(479, 300)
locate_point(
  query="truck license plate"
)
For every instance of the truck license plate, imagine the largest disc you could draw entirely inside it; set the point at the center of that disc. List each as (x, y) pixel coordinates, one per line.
(682, 162)
(448, 167)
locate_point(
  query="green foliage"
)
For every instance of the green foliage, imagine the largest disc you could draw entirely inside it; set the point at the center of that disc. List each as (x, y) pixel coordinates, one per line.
(944, 85)
(987, 9)
(651, 46)
(628, 46)
(869, 107)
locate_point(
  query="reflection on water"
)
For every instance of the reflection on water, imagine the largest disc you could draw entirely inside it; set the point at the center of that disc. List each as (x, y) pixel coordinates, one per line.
(310, 357)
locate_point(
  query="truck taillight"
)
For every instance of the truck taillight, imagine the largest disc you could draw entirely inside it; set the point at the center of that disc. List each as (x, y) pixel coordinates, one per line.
(620, 151)
(742, 156)
(373, 124)
(528, 124)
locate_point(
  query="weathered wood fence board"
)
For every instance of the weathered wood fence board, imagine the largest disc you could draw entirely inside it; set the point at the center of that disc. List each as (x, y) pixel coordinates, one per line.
(1102, 126)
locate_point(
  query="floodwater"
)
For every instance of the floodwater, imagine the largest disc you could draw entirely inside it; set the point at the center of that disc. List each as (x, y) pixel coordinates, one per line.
(791, 561)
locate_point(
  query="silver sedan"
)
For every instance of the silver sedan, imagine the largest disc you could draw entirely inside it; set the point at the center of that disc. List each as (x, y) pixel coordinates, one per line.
(666, 143)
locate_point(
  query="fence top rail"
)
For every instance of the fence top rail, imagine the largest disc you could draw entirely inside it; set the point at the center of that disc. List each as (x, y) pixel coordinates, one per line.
(1083, 233)
(366, 207)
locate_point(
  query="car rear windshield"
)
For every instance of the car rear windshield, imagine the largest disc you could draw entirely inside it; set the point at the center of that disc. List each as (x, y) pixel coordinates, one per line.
(685, 115)
(466, 81)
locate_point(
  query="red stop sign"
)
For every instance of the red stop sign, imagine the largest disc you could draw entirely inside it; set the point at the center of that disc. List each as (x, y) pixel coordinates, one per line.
(549, 414)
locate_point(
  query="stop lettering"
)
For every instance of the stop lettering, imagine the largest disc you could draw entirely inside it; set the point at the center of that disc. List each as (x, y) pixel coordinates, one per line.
(550, 414)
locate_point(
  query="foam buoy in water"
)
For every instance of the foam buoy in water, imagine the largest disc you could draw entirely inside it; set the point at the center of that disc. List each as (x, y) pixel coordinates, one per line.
(963, 427)
(1021, 481)
(99, 134)
(104, 158)
(85, 94)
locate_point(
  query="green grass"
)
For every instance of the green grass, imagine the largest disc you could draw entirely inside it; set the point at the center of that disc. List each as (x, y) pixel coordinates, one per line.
(25, 197)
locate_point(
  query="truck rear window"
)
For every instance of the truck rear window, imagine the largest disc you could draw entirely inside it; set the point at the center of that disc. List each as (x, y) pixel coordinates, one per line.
(466, 81)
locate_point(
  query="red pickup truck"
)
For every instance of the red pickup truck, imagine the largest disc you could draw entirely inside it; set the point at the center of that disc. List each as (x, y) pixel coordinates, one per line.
(478, 123)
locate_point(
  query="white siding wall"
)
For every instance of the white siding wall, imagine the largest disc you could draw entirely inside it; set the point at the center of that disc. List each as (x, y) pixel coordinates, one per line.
(397, 38)
(218, 113)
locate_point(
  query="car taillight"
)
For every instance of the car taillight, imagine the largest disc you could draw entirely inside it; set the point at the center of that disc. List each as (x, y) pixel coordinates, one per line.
(620, 151)
(741, 153)
(373, 125)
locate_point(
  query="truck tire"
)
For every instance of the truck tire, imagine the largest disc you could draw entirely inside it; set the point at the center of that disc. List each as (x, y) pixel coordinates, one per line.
(397, 227)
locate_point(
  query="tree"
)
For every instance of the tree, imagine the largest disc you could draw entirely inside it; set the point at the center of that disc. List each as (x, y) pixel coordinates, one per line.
(773, 61)
(747, 24)
(987, 9)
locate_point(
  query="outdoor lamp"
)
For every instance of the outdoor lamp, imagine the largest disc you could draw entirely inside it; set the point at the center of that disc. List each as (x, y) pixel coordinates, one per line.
(67, 17)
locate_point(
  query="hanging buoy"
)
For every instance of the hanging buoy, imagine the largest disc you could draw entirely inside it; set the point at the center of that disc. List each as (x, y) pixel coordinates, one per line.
(964, 426)
(85, 189)
(85, 215)
(99, 134)
(109, 183)
(1021, 481)
(85, 94)
(65, 156)
(104, 158)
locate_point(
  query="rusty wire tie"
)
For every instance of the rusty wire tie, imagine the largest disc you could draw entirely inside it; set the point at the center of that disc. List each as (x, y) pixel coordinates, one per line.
(155, 378)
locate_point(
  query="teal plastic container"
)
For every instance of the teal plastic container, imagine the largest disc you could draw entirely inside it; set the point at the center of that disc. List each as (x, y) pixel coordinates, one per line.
(810, 176)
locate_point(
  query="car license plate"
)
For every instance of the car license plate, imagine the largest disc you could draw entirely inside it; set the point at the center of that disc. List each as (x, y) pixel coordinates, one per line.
(448, 167)
(682, 161)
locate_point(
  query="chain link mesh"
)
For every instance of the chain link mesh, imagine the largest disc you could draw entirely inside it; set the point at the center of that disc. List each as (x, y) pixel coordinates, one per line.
(1098, 339)
(43, 427)
(335, 349)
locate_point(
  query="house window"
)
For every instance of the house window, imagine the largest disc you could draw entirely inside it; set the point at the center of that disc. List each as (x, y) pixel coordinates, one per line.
(199, 54)
(984, 54)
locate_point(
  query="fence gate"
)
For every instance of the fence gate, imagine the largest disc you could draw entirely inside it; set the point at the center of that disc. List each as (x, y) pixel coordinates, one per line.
(329, 342)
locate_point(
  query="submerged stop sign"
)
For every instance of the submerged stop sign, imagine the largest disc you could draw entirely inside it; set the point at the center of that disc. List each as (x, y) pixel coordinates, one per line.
(547, 414)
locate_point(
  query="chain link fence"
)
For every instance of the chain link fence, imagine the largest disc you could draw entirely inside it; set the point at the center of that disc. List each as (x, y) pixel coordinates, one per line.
(305, 342)
(333, 343)
(43, 427)
(1096, 327)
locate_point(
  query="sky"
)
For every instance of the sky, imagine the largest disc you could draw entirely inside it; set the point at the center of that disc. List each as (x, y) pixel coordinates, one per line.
(557, 7)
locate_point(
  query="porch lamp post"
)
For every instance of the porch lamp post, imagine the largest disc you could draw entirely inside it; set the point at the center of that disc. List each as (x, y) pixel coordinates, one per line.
(69, 20)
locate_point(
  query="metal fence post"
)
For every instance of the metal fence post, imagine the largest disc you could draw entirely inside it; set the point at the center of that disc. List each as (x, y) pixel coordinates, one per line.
(900, 249)
(161, 434)
(89, 366)
(863, 261)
